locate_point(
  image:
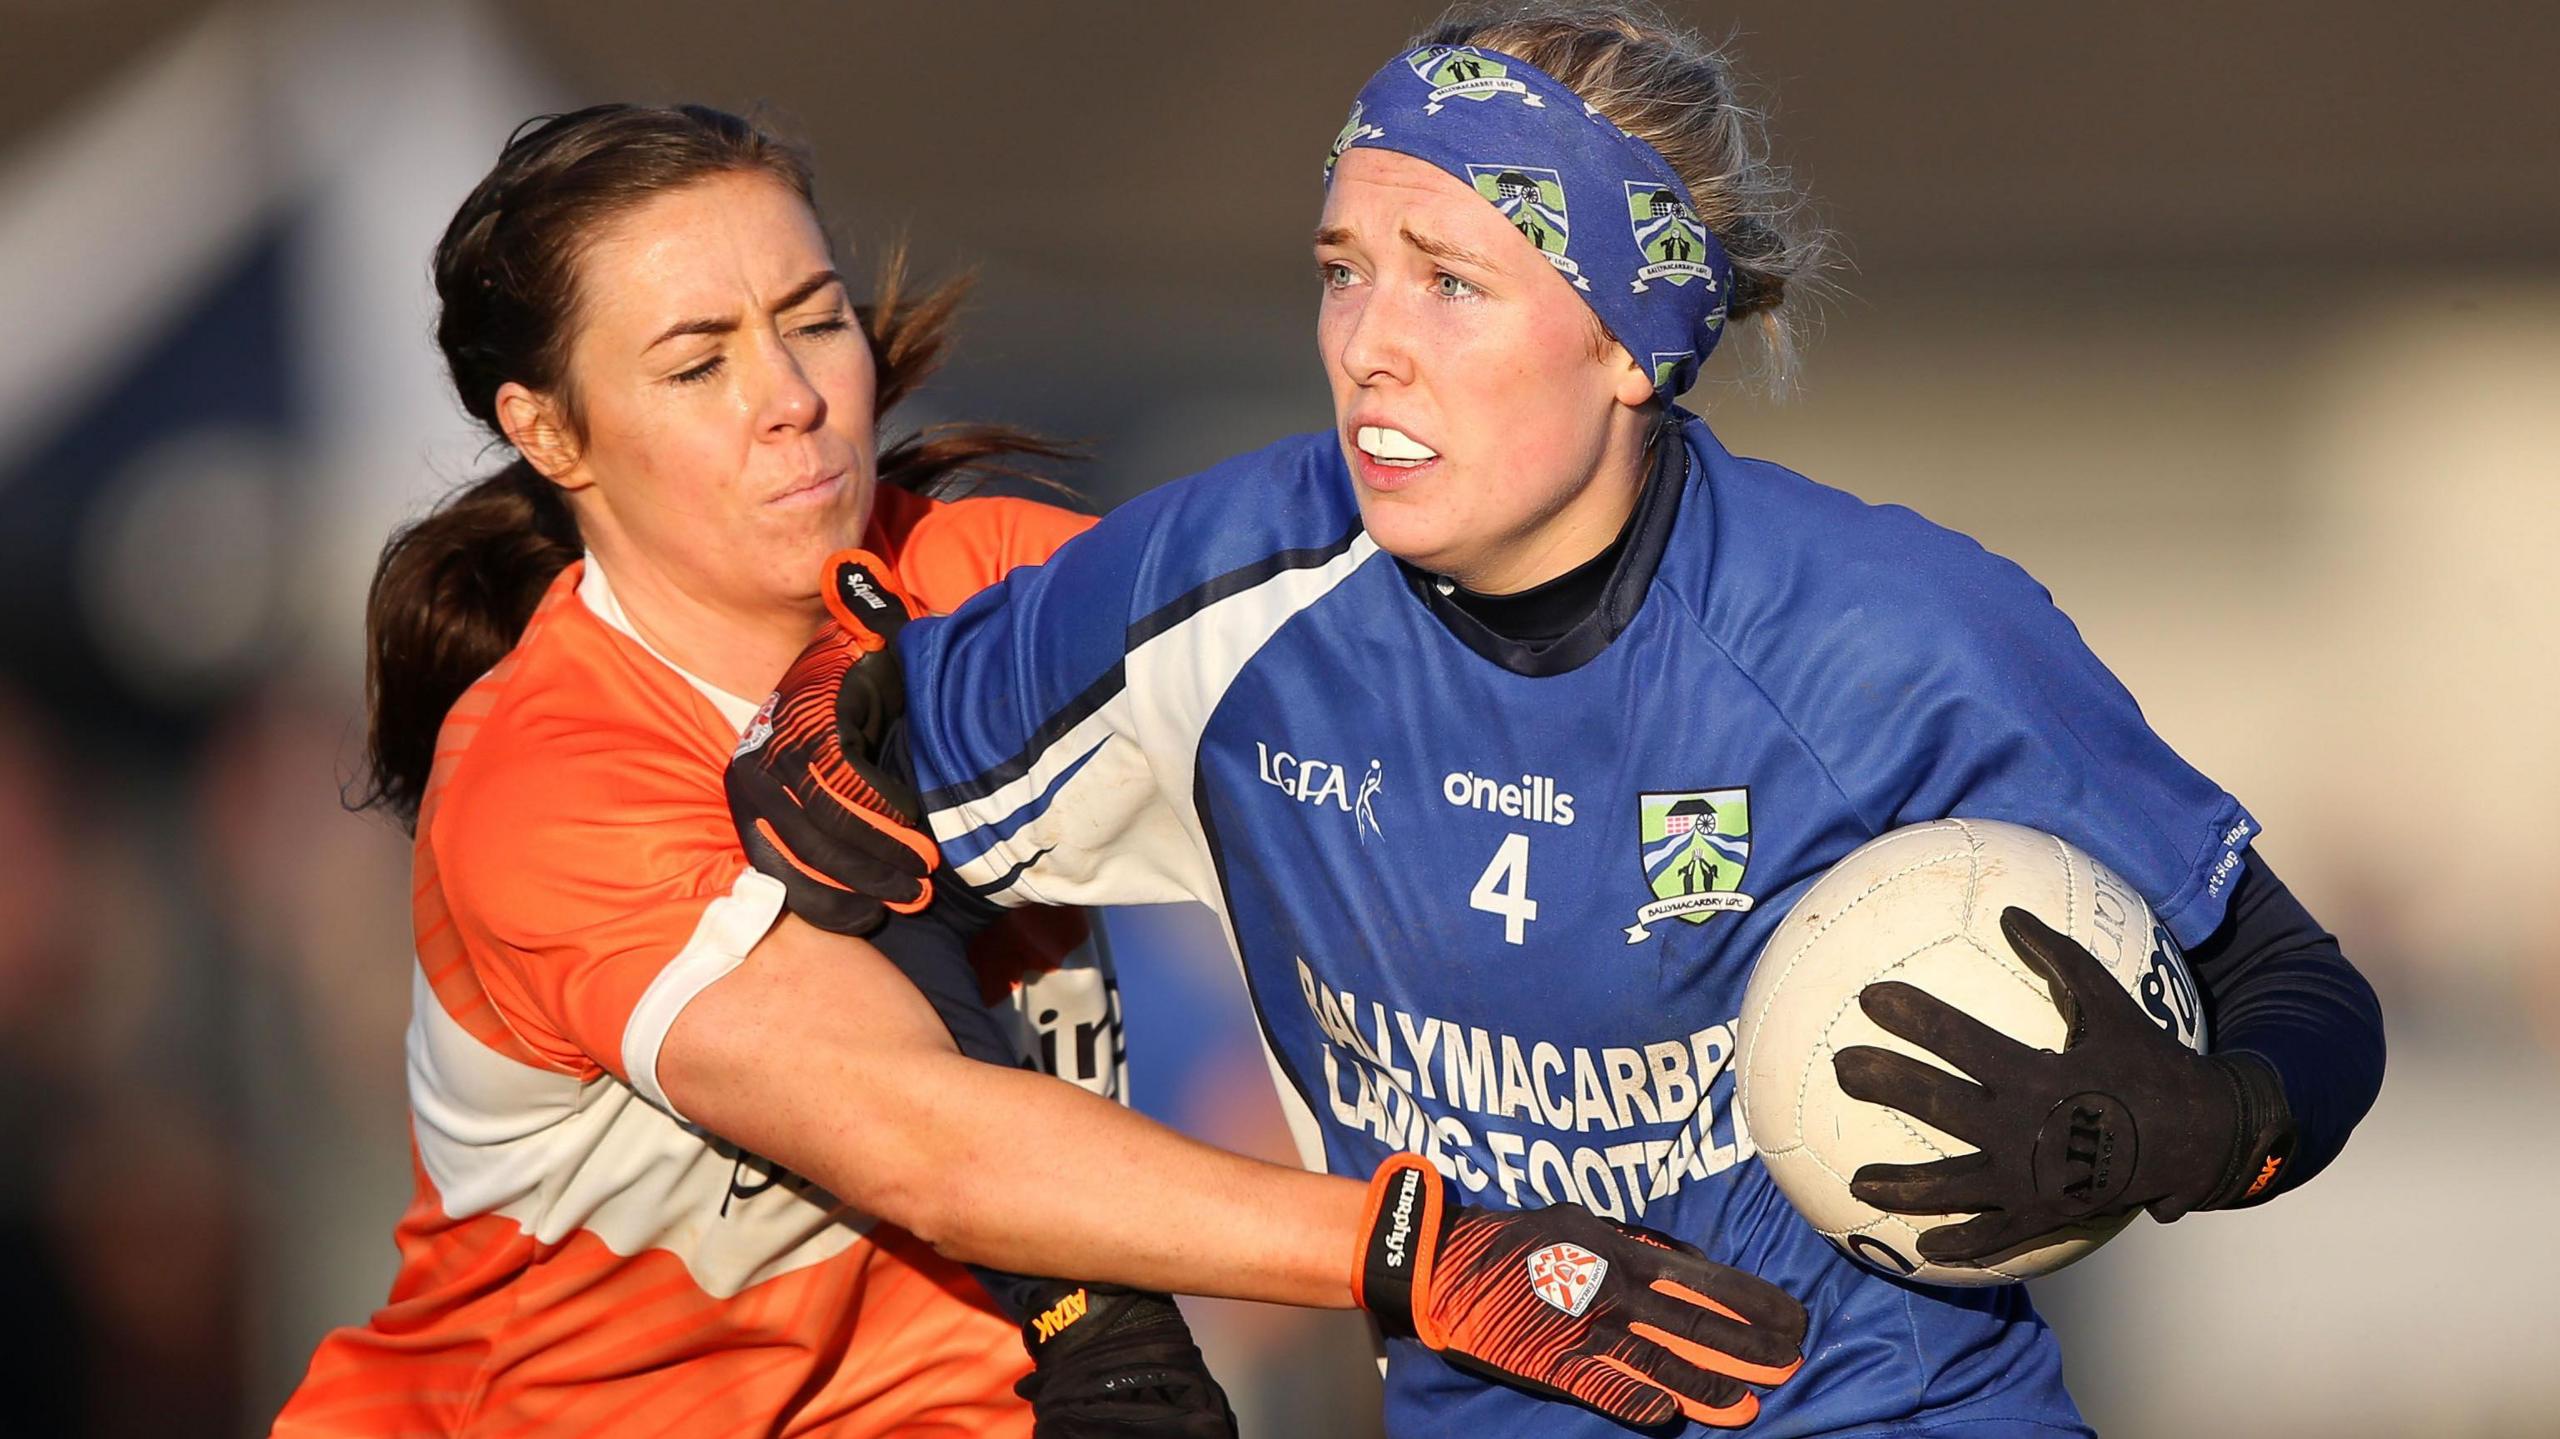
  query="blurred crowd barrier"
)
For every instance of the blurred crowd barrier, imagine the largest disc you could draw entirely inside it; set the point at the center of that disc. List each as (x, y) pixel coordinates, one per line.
(2307, 512)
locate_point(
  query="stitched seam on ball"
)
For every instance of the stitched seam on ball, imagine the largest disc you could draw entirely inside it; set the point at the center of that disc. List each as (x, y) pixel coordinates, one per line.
(1879, 976)
(2070, 886)
(1779, 984)
(1973, 872)
(1998, 954)
(1805, 1079)
(1924, 1141)
(2008, 964)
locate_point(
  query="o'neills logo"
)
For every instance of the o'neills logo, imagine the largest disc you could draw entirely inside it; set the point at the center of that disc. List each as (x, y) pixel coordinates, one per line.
(1400, 1229)
(1532, 796)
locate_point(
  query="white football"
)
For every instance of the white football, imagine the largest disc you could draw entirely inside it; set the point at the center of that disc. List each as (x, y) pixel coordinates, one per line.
(1922, 905)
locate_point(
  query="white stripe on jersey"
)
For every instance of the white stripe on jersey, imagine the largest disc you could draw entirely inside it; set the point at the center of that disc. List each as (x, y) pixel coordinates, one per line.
(731, 925)
(504, 1138)
(1122, 829)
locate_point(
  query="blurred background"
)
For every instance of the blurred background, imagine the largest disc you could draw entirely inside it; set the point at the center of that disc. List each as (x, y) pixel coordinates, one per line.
(2237, 325)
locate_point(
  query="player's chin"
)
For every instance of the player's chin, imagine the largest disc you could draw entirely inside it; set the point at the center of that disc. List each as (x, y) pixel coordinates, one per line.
(1409, 525)
(793, 550)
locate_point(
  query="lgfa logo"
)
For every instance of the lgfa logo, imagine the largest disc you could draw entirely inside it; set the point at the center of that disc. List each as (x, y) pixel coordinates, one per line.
(1320, 782)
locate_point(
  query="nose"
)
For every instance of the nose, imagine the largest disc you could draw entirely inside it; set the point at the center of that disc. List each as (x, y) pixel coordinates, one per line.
(789, 404)
(1378, 345)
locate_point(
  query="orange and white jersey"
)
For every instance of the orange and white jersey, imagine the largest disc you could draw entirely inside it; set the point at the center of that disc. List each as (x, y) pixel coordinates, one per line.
(577, 1257)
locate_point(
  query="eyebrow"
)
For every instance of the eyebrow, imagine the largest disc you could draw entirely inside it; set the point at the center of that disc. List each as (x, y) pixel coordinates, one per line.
(1443, 250)
(724, 324)
(1436, 248)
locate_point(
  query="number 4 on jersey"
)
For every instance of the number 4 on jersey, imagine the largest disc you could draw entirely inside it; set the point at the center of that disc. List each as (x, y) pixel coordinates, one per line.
(1503, 889)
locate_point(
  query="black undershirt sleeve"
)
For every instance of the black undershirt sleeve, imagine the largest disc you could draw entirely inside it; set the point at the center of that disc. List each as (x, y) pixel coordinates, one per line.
(2277, 986)
(932, 950)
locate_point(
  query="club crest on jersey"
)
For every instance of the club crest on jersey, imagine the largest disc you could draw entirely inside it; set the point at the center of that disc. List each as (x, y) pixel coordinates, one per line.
(1567, 1276)
(1463, 72)
(1695, 845)
(1532, 199)
(1669, 233)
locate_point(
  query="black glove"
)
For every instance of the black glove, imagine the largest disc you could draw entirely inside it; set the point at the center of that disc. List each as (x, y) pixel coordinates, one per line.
(1108, 1361)
(1564, 1304)
(814, 806)
(2124, 1117)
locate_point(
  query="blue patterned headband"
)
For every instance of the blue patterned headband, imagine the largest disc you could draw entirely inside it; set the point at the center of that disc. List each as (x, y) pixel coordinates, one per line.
(1564, 176)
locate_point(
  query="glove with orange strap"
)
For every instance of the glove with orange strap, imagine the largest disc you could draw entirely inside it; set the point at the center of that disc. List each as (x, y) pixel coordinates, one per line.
(1567, 1305)
(813, 804)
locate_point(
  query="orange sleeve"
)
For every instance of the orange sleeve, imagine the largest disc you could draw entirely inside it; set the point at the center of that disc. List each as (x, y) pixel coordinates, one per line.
(597, 884)
(951, 551)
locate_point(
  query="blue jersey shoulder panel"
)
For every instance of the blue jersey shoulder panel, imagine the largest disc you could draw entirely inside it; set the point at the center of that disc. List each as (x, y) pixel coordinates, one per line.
(1931, 677)
(1185, 533)
(1147, 564)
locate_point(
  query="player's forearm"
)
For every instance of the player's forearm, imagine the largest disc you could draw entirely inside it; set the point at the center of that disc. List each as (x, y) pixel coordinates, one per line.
(818, 1053)
(1057, 1181)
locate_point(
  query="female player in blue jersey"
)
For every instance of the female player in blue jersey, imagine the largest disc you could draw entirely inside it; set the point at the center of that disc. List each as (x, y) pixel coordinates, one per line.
(1410, 705)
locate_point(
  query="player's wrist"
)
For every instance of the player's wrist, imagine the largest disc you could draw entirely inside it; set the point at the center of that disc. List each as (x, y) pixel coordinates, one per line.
(1407, 1212)
(2258, 1122)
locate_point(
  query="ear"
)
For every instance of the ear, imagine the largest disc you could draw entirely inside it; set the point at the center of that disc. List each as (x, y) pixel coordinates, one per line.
(1631, 386)
(534, 425)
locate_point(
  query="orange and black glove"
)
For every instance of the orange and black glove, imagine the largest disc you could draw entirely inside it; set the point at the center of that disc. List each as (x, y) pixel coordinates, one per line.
(814, 805)
(1567, 1305)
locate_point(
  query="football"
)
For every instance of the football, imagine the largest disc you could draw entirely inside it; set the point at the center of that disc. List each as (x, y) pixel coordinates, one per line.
(1922, 905)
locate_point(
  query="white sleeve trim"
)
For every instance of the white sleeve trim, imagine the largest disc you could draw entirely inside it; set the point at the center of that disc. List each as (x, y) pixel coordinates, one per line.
(1121, 828)
(731, 925)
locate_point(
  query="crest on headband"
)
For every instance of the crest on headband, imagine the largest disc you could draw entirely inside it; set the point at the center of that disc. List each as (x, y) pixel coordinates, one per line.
(1354, 130)
(1463, 72)
(1669, 233)
(1532, 199)
(1660, 290)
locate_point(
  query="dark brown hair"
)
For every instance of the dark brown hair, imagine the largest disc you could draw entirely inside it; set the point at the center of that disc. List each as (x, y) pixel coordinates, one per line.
(1680, 95)
(454, 588)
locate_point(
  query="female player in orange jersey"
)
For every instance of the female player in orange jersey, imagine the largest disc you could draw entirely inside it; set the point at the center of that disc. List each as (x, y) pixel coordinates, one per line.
(686, 1164)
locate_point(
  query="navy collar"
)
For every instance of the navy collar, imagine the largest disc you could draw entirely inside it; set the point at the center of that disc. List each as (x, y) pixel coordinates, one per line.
(1566, 622)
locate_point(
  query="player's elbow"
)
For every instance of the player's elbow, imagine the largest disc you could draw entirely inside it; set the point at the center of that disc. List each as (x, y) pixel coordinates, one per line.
(941, 1222)
(914, 1197)
(899, 1162)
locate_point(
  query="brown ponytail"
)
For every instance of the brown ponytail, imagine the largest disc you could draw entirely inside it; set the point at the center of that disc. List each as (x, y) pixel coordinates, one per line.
(450, 596)
(910, 336)
(453, 589)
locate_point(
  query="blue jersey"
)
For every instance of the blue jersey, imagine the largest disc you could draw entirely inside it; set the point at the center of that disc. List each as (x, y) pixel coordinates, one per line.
(1504, 919)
